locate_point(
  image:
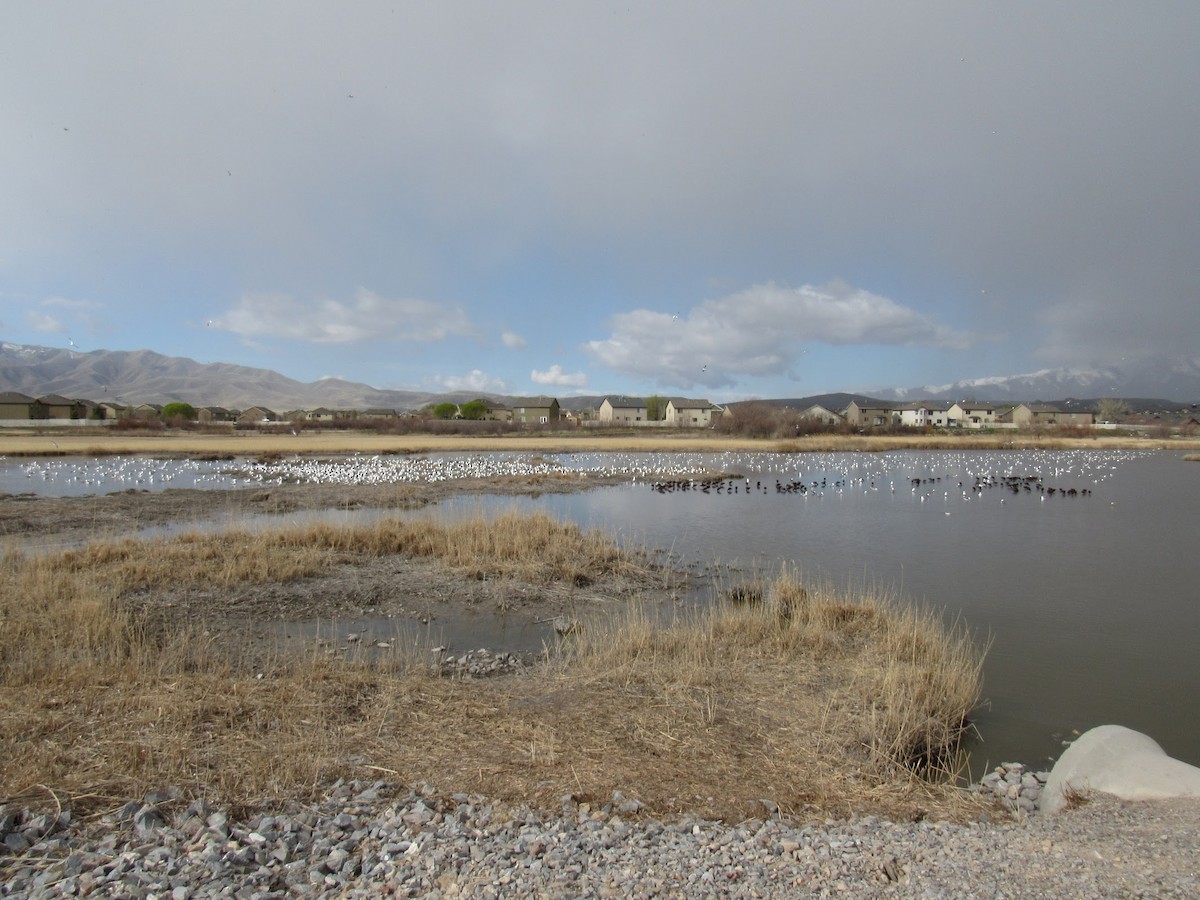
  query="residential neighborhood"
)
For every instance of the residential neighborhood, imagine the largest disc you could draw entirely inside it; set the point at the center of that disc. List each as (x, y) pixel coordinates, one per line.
(967, 414)
(675, 411)
(612, 411)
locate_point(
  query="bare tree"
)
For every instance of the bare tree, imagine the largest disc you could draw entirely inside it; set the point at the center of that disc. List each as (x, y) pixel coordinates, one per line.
(1112, 409)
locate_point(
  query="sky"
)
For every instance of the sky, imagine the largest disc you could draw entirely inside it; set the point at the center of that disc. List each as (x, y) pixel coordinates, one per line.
(710, 200)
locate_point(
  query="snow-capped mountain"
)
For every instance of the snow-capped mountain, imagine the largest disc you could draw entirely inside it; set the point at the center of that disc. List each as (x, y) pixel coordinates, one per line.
(1177, 380)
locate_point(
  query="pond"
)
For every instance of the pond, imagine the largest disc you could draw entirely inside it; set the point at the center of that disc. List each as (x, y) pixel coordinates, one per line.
(1080, 567)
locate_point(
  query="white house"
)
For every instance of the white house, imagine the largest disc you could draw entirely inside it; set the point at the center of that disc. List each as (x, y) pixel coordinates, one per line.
(970, 414)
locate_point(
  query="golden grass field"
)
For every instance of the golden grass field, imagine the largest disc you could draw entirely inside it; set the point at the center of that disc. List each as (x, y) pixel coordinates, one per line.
(822, 703)
(98, 441)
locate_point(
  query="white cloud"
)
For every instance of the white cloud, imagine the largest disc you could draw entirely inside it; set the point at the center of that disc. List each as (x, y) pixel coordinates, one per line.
(76, 306)
(513, 340)
(368, 317)
(39, 321)
(58, 315)
(556, 376)
(760, 331)
(475, 380)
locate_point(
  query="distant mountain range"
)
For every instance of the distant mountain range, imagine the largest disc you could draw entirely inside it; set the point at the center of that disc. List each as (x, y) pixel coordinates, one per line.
(1169, 379)
(143, 376)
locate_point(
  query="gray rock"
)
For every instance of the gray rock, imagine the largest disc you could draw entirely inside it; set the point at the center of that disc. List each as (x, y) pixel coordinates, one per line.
(146, 821)
(16, 842)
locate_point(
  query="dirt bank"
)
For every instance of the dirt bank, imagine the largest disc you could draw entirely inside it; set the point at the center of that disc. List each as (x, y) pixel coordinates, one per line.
(352, 604)
(27, 520)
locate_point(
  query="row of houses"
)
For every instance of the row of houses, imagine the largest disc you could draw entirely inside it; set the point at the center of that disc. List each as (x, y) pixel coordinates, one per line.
(613, 410)
(678, 411)
(965, 414)
(18, 407)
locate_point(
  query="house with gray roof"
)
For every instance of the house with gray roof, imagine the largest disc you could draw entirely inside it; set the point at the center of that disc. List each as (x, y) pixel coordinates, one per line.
(865, 416)
(534, 410)
(617, 410)
(14, 405)
(1026, 415)
(691, 413)
(59, 407)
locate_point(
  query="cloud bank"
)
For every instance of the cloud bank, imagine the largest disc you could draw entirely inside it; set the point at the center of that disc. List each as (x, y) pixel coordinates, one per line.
(760, 331)
(556, 377)
(1023, 173)
(368, 317)
(475, 380)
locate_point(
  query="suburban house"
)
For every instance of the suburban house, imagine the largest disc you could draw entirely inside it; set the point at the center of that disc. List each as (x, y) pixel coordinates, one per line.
(623, 410)
(109, 410)
(691, 413)
(257, 414)
(926, 413)
(970, 414)
(147, 411)
(59, 407)
(15, 406)
(214, 414)
(534, 410)
(819, 413)
(497, 412)
(378, 412)
(19, 406)
(917, 415)
(871, 416)
(1025, 415)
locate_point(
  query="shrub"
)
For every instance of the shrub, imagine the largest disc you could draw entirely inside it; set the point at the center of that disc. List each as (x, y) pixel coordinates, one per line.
(179, 411)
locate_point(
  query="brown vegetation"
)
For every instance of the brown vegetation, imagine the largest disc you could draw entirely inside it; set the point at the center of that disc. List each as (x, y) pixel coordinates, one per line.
(819, 702)
(221, 442)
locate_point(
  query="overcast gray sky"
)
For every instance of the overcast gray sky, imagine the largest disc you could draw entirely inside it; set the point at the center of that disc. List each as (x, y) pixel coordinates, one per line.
(709, 199)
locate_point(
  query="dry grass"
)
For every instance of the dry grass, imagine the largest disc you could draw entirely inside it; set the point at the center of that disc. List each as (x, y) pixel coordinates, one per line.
(71, 606)
(799, 690)
(102, 442)
(1076, 797)
(824, 704)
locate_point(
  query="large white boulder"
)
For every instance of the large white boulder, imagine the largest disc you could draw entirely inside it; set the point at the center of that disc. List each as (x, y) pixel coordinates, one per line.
(1119, 761)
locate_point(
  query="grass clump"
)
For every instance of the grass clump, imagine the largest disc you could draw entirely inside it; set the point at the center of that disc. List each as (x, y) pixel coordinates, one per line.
(797, 681)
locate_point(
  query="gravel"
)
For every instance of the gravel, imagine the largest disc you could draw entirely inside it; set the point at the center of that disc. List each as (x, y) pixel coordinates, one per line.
(367, 839)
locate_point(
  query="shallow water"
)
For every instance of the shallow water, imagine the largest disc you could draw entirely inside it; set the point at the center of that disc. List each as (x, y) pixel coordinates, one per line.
(1089, 599)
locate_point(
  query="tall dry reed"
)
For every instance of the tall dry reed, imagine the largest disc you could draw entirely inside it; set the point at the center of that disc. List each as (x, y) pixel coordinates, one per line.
(889, 683)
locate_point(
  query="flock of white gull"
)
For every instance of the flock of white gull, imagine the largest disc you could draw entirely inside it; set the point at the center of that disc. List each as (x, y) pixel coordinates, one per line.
(925, 474)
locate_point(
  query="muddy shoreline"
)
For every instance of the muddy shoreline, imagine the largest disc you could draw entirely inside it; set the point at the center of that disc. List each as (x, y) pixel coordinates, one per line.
(32, 520)
(358, 605)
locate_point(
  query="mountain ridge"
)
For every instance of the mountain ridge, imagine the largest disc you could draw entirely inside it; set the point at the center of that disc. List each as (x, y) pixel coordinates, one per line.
(1176, 380)
(145, 376)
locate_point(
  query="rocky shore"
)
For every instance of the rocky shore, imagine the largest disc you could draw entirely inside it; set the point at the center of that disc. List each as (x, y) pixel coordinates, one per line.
(368, 839)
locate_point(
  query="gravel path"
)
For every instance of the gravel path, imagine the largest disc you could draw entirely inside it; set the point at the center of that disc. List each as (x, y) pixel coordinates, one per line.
(372, 839)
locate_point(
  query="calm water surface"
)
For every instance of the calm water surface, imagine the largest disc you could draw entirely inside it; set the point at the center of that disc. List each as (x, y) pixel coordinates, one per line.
(1090, 600)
